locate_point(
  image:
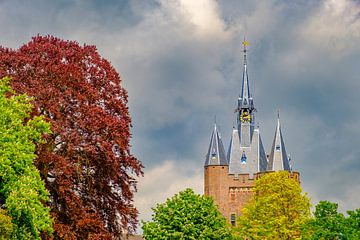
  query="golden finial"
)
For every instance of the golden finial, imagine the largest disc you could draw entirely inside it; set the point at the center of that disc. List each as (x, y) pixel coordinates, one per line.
(245, 43)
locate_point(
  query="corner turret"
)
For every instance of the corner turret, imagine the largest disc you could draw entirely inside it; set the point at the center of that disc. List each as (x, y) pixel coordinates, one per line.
(216, 153)
(278, 159)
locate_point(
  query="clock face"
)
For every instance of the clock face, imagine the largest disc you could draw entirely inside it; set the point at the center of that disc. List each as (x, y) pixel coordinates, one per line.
(245, 117)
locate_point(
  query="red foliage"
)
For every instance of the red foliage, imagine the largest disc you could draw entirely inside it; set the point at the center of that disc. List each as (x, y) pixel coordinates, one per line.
(86, 162)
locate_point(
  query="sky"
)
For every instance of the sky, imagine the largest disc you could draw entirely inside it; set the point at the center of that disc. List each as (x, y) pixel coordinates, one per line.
(181, 63)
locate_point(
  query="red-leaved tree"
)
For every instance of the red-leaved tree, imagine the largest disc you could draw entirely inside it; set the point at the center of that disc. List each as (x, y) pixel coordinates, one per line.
(86, 162)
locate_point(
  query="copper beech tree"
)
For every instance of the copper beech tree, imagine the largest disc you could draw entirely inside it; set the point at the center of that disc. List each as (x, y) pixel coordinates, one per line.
(86, 162)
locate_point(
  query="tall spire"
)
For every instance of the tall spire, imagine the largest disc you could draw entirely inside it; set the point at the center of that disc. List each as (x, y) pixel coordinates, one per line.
(278, 159)
(246, 117)
(246, 100)
(216, 153)
(246, 153)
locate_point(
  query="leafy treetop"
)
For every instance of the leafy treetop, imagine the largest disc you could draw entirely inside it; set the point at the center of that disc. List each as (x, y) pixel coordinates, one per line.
(328, 223)
(186, 216)
(277, 209)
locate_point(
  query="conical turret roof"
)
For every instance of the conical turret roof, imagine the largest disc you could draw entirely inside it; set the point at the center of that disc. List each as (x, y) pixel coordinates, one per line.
(278, 159)
(216, 153)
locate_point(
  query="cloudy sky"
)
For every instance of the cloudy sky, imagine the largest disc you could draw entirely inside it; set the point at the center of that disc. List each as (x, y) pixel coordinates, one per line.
(181, 62)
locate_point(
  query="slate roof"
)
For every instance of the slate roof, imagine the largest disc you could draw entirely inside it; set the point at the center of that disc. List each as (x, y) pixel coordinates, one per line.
(245, 100)
(255, 155)
(216, 153)
(278, 159)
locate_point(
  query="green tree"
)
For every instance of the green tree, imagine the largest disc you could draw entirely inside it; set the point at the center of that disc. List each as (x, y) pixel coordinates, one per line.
(22, 191)
(187, 216)
(277, 209)
(329, 224)
(353, 224)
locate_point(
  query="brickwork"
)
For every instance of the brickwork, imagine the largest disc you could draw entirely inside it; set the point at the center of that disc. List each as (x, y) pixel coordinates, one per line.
(231, 192)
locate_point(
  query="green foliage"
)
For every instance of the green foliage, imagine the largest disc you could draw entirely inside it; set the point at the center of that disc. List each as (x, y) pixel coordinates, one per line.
(353, 224)
(187, 216)
(328, 223)
(277, 209)
(6, 226)
(21, 188)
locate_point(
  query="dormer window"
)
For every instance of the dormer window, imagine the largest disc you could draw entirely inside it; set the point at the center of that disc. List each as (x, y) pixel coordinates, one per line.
(213, 154)
(243, 159)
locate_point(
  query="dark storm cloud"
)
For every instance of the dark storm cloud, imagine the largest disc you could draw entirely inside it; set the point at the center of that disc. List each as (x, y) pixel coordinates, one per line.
(181, 63)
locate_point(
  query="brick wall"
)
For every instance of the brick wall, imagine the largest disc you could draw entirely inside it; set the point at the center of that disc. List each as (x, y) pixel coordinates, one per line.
(230, 192)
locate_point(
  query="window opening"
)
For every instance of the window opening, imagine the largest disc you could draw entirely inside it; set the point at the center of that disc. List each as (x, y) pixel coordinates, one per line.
(243, 158)
(233, 219)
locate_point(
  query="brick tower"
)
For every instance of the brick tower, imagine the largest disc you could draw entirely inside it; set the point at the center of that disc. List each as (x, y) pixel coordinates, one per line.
(229, 179)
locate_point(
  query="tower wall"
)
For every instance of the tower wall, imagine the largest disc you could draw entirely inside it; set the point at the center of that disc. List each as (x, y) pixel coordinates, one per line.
(231, 192)
(216, 186)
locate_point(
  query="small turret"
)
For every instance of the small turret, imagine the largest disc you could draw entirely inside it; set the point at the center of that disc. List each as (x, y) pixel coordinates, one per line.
(278, 159)
(216, 153)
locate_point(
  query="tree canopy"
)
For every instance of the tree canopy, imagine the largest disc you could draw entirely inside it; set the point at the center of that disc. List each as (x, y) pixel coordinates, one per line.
(187, 216)
(22, 192)
(328, 223)
(277, 209)
(86, 161)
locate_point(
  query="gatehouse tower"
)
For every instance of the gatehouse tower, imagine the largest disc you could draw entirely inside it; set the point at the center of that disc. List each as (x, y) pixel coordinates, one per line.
(229, 178)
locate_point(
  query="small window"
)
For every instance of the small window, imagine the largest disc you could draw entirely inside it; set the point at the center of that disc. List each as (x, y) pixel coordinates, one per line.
(243, 159)
(277, 147)
(233, 219)
(213, 154)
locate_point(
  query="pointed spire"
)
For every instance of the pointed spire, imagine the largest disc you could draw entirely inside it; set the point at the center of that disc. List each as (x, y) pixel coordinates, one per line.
(245, 91)
(278, 159)
(216, 153)
(246, 109)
